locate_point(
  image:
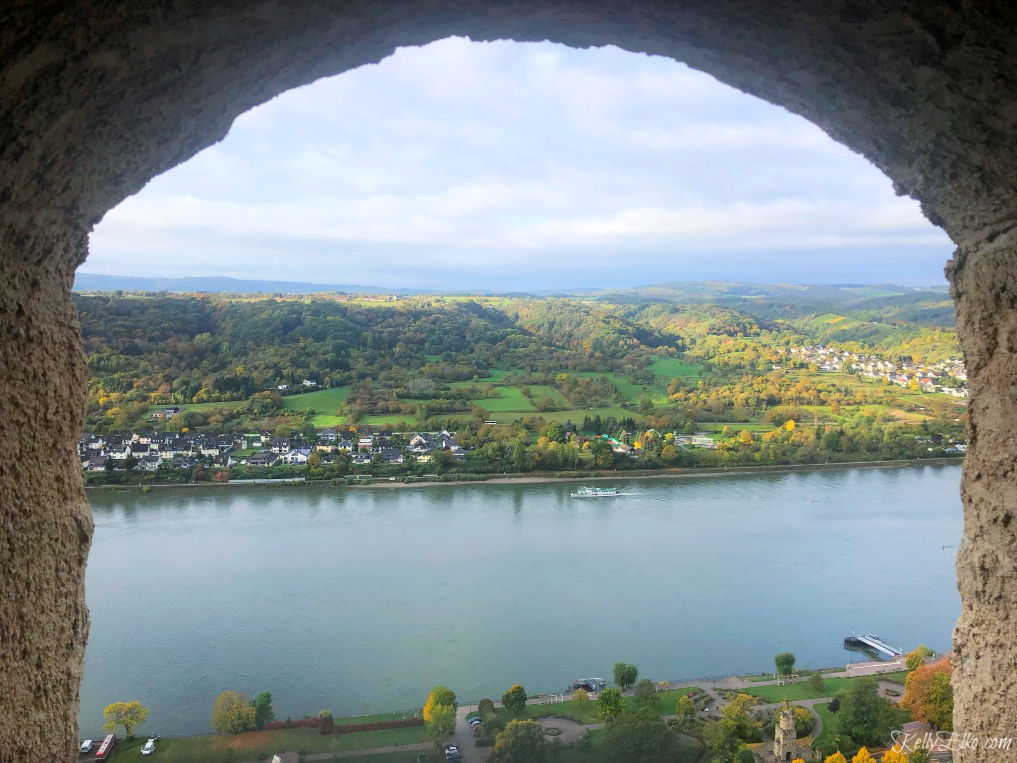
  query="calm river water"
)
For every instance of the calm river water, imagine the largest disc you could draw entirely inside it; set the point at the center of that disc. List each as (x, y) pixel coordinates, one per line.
(359, 600)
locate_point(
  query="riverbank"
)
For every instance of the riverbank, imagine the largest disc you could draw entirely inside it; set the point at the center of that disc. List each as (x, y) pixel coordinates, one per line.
(538, 477)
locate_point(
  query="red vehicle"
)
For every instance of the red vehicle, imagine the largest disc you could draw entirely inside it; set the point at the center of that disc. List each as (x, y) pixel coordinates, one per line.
(106, 747)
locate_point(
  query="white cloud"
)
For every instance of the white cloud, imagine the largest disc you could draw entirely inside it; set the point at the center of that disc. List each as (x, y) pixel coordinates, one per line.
(462, 161)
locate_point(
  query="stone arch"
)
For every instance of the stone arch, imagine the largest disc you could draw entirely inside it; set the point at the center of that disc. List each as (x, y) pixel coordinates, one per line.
(98, 96)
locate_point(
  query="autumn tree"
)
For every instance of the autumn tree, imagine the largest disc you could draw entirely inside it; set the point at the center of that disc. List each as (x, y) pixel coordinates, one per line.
(126, 714)
(610, 704)
(440, 695)
(581, 702)
(928, 694)
(738, 713)
(837, 757)
(685, 714)
(863, 756)
(232, 713)
(625, 675)
(514, 699)
(441, 724)
(917, 656)
(895, 755)
(520, 742)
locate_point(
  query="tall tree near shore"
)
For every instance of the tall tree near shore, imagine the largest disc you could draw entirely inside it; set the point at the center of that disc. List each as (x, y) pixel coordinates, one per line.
(785, 662)
(625, 675)
(232, 713)
(263, 712)
(126, 714)
(440, 695)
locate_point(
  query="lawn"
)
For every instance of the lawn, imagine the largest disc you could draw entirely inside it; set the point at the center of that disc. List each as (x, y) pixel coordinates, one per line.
(213, 748)
(802, 690)
(829, 725)
(663, 703)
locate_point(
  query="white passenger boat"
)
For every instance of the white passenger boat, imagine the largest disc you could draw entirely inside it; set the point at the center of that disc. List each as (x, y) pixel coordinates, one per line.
(597, 492)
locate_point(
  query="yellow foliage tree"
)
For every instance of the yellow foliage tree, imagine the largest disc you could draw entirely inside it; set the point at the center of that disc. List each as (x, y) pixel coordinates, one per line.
(895, 755)
(789, 425)
(835, 758)
(126, 714)
(439, 695)
(863, 756)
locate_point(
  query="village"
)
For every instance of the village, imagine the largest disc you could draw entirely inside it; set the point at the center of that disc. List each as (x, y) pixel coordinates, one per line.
(948, 377)
(147, 451)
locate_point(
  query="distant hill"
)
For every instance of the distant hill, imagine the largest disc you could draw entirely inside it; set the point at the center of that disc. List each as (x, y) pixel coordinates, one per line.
(721, 291)
(84, 282)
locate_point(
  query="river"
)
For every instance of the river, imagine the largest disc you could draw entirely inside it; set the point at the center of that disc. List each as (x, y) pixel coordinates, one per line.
(359, 600)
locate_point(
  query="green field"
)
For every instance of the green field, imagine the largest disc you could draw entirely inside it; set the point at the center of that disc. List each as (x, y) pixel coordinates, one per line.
(666, 369)
(220, 748)
(509, 399)
(198, 406)
(324, 402)
(548, 392)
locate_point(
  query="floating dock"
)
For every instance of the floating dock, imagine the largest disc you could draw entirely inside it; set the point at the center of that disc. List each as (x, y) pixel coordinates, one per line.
(873, 643)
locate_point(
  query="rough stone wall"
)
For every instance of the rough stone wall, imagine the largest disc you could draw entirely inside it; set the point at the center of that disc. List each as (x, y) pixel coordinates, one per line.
(45, 522)
(98, 96)
(983, 275)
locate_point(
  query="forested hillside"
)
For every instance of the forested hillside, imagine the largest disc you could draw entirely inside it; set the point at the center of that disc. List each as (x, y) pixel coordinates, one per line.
(440, 360)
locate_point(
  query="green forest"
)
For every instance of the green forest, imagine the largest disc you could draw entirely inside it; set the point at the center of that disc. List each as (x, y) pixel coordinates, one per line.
(505, 373)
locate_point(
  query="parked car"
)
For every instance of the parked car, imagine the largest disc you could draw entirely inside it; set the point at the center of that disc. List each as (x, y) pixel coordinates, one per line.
(149, 747)
(452, 752)
(87, 745)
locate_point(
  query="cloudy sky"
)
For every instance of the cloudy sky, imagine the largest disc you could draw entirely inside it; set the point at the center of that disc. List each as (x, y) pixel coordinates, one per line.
(522, 166)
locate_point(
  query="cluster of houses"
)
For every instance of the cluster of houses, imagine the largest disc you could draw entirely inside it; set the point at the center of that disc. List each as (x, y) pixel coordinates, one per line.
(147, 451)
(929, 378)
